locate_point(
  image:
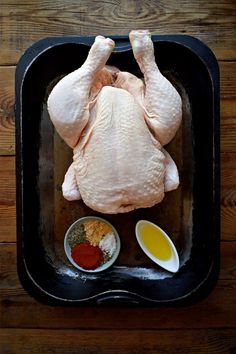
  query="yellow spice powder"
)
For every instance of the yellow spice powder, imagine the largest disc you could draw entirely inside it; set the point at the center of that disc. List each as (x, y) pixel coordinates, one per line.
(95, 230)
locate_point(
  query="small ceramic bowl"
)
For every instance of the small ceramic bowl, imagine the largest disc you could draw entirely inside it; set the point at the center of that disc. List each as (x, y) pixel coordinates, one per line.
(105, 265)
(157, 245)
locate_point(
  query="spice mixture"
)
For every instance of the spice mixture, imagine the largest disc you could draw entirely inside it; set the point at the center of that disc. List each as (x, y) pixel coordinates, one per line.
(108, 244)
(95, 230)
(92, 243)
(77, 235)
(86, 255)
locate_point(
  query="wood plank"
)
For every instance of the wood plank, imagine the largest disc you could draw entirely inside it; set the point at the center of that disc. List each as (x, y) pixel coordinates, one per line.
(228, 264)
(9, 278)
(208, 327)
(228, 79)
(228, 196)
(228, 106)
(217, 311)
(228, 109)
(212, 23)
(8, 212)
(7, 199)
(7, 124)
(228, 134)
(18, 309)
(112, 342)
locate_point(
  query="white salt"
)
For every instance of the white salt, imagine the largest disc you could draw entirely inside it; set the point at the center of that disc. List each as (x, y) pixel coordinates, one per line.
(108, 244)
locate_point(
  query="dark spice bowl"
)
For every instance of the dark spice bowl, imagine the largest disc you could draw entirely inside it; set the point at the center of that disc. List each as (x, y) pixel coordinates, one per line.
(190, 215)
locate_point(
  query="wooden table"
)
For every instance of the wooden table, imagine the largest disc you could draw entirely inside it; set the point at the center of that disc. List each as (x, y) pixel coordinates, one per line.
(30, 327)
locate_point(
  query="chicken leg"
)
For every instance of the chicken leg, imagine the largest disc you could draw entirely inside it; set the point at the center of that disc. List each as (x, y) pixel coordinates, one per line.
(162, 101)
(71, 94)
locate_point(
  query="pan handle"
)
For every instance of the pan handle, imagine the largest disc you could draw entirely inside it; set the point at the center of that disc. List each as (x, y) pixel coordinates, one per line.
(122, 44)
(117, 299)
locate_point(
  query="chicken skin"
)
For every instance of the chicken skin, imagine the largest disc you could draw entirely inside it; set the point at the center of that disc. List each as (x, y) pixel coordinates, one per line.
(117, 126)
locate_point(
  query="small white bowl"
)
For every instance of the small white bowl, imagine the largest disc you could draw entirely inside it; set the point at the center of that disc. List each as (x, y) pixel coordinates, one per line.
(172, 262)
(104, 265)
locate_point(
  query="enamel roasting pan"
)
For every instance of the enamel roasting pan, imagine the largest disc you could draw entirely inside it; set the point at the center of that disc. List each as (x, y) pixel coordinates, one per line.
(190, 214)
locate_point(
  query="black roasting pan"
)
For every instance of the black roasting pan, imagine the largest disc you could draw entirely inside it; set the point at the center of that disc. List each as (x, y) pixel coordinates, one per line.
(190, 215)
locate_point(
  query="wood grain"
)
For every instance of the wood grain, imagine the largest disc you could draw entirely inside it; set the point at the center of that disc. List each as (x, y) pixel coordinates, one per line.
(9, 277)
(228, 196)
(227, 80)
(211, 23)
(30, 327)
(7, 199)
(228, 264)
(228, 109)
(112, 342)
(7, 98)
(228, 106)
(8, 212)
(210, 313)
(217, 311)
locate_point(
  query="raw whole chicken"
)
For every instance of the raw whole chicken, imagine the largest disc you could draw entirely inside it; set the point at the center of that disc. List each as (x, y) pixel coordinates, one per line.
(117, 126)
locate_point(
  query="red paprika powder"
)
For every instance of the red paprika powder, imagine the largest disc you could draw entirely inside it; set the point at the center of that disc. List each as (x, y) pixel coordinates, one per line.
(86, 255)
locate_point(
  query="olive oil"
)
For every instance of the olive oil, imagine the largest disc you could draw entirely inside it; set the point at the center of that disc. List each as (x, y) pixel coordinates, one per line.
(155, 242)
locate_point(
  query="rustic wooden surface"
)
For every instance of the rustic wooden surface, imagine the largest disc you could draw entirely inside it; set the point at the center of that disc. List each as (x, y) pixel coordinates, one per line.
(30, 327)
